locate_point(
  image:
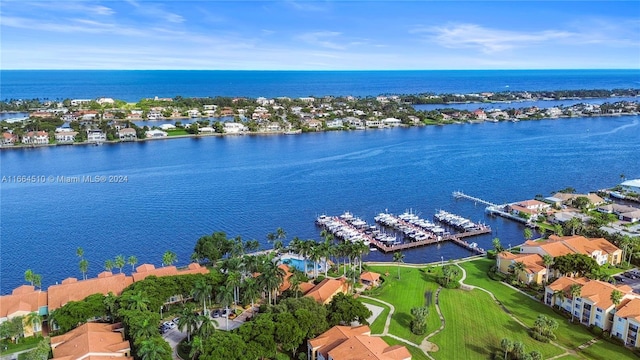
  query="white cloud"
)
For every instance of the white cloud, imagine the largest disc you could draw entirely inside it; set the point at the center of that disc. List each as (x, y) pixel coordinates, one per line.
(486, 39)
(322, 39)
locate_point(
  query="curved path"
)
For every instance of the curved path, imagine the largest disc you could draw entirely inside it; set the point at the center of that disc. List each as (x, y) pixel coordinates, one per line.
(464, 276)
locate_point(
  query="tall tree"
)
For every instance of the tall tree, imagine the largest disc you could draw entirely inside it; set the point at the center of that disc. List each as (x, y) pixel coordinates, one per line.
(119, 262)
(497, 246)
(398, 257)
(250, 291)
(28, 276)
(507, 346)
(224, 297)
(547, 261)
(108, 264)
(80, 253)
(132, 260)
(575, 291)
(154, 348)
(169, 257)
(616, 297)
(201, 291)
(188, 320)
(84, 267)
(528, 233)
(518, 268)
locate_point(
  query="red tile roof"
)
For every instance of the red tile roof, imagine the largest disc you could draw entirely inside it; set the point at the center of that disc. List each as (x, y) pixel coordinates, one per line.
(23, 299)
(73, 290)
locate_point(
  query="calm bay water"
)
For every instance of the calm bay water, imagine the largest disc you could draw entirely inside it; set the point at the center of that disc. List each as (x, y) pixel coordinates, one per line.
(135, 85)
(179, 190)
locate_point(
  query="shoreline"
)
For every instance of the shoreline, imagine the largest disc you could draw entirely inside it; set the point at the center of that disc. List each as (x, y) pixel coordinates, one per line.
(286, 133)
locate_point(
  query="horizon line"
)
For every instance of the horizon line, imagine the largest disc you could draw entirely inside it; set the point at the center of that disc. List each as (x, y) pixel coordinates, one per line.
(333, 70)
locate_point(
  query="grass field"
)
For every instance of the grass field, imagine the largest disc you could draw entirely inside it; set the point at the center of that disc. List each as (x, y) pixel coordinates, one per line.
(177, 132)
(604, 350)
(475, 324)
(406, 293)
(416, 354)
(524, 308)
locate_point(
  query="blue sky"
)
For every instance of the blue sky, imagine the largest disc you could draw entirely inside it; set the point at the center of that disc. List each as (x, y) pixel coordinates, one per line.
(319, 35)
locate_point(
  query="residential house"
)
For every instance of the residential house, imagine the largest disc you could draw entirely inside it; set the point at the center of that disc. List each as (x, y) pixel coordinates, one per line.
(313, 124)
(391, 122)
(327, 289)
(377, 124)
(103, 101)
(36, 138)
(66, 137)
(535, 271)
(92, 341)
(529, 209)
(23, 301)
(9, 139)
(76, 102)
(601, 250)
(561, 217)
(234, 128)
(593, 306)
(479, 114)
(127, 134)
(566, 198)
(348, 343)
(626, 322)
(155, 134)
(72, 289)
(96, 136)
(335, 124)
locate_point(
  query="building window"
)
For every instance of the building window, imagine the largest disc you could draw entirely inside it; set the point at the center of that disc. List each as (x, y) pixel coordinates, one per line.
(599, 310)
(597, 317)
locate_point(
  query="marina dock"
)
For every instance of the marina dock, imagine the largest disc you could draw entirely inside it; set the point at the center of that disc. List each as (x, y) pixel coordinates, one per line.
(420, 232)
(494, 209)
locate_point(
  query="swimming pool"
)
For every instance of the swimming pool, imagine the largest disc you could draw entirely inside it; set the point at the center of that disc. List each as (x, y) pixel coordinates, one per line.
(299, 264)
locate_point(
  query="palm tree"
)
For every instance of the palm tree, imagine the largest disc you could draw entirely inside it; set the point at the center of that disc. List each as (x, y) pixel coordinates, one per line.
(146, 329)
(234, 279)
(271, 278)
(250, 291)
(315, 255)
(547, 261)
(169, 258)
(351, 278)
(119, 262)
(518, 268)
(361, 249)
(225, 297)
(132, 260)
(325, 251)
(37, 280)
(80, 253)
(28, 276)
(197, 347)
(138, 301)
(201, 291)
(188, 320)
(149, 349)
(35, 320)
(616, 298)
(306, 248)
(507, 346)
(398, 257)
(281, 234)
(518, 349)
(84, 266)
(575, 291)
(559, 295)
(528, 233)
(295, 280)
(207, 326)
(108, 264)
(574, 224)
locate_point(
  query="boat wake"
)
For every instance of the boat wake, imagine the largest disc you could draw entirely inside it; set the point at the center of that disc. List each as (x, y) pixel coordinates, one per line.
(619, 128)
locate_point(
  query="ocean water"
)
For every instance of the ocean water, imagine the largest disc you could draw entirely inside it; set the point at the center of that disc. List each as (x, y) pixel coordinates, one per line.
(178, 190)
(136, 84)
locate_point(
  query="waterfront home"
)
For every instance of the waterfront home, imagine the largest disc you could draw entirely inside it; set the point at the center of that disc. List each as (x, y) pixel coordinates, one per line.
(65, 137)
(154, 134)
(335, 124)
(601, 250)
(562, 217)
(96, 136)
(391, 122)
(127, 134)
(23, 301)
(207, 130)
(327, 289)
(593, 305)
(154, 115)
(9, 139)
(272, 127)
(559, 198)
(76, 102)
(166, 127)
(72, 289)
(104, 100)
(534, 271)
(92, 341)
(36, 138)
(374, 124)
(632, 186)
(234, 128)
(626, 322)
(346, 343)
(479, 114)
(313, 124)
(529, 209)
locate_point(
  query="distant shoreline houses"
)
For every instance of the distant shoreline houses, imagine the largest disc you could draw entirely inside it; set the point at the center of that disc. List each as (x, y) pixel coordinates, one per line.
(103, 119)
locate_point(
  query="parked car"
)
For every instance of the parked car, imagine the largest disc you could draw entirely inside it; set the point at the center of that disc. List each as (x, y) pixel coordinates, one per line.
(216, 313)
(618, 278)
(630, 275)
(175, 320)
(225, 312)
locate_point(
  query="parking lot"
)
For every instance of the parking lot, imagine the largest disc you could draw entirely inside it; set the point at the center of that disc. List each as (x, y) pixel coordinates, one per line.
(631, 278)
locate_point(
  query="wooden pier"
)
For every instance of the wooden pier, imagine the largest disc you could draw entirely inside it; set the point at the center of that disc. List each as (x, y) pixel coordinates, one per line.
(456, 238)
(460, 194)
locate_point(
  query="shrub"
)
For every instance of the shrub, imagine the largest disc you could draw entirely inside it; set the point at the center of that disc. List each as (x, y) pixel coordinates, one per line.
(597, 331)
(319, 279)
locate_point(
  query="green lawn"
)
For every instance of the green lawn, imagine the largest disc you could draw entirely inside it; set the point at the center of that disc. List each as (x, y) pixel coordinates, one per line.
(177, 132)
(475, 324)
(604, 350)
(523, 307)
(23, 344)
(416, 353)
(378, 324)
(406, 293)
